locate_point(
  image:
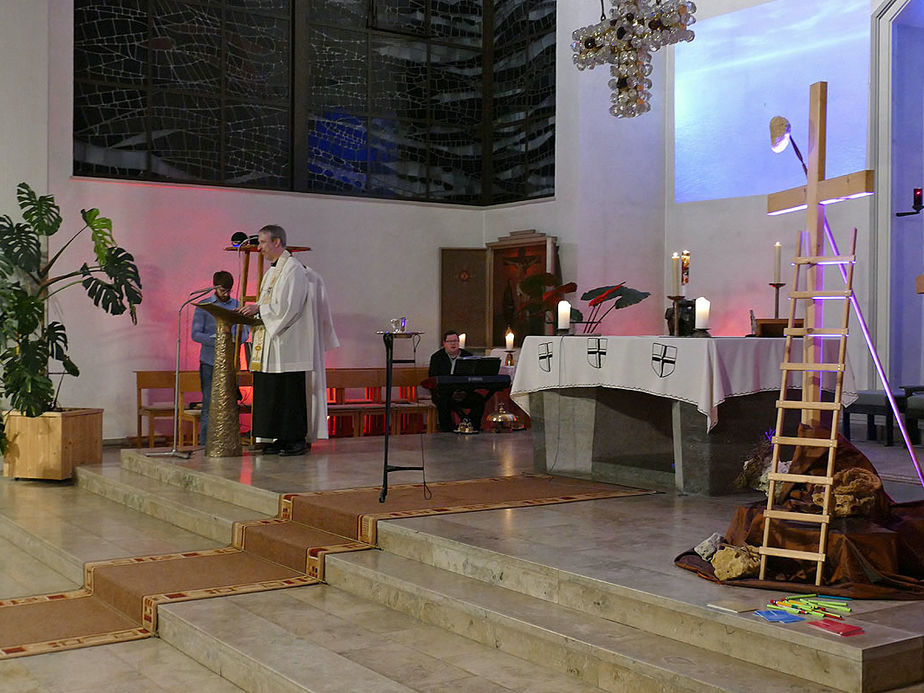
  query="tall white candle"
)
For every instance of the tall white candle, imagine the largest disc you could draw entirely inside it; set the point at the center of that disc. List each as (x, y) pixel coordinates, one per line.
(675, 274)
(702, 314)
(508, 338)
(462, 341)
(777, 259)
(564, 315)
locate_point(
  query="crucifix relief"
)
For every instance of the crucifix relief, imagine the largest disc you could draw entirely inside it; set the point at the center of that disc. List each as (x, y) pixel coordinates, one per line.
(813, 197)
(626, 40)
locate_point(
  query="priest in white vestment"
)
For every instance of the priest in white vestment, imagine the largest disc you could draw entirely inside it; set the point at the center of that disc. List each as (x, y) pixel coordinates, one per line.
(289, 378)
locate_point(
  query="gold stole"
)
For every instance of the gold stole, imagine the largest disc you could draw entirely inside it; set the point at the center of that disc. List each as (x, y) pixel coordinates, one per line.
(259, 331)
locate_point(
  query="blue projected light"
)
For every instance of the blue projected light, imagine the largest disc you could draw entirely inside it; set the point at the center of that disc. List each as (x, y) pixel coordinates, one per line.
(746, 67)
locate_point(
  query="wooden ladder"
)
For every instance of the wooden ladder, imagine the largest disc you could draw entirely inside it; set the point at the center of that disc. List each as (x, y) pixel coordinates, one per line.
(810, 405)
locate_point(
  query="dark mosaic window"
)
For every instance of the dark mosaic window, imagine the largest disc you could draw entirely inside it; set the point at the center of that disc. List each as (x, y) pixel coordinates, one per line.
(439, 100)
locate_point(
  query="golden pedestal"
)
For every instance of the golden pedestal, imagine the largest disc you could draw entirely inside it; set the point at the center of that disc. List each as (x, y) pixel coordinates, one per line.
(224, 428)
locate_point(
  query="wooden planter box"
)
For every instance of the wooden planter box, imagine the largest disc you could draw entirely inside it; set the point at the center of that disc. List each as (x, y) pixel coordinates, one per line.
(51, 445)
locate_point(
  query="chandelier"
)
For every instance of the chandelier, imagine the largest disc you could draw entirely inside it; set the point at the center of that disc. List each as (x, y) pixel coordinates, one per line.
(635, 29)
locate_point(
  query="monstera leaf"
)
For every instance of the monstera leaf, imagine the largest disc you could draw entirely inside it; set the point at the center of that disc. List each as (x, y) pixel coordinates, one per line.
(56, 339)
(41, 212)
(101, 231)
(25, 382)
(19, 246)
(21, 313)
(124, 289)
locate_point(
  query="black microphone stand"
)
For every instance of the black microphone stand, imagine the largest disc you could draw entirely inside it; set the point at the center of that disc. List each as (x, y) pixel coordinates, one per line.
(175, 452)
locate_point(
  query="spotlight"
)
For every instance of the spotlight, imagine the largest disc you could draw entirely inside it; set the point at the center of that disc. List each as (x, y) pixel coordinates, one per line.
(239, 238)
(781, 136)
(917, 203)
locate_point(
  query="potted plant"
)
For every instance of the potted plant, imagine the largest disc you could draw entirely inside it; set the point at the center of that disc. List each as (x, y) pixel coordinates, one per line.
(28, 342)
(543, 293)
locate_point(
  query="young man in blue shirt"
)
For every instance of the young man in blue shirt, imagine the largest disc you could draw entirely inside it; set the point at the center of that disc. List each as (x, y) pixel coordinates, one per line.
(203, 331)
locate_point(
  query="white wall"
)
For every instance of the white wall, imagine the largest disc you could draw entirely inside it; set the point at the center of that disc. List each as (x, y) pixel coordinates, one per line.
(24, 86)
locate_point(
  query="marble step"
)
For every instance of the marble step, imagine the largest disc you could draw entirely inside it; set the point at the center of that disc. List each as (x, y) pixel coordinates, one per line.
(883, 658)
(319, 639)
(64, 526)
(171, 471)
(184, 508)
(610, 655)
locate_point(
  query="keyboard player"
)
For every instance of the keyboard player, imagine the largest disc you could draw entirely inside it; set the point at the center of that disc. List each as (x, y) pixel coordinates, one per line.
(465, 403)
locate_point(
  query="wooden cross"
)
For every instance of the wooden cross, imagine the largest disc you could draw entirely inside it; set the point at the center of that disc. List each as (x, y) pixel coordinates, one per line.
(813, 197)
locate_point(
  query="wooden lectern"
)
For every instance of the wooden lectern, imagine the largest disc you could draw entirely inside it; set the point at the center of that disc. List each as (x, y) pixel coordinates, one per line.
(224, 428)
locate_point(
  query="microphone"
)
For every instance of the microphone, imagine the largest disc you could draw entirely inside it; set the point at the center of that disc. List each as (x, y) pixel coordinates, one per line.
(240, 238)
(201, 291)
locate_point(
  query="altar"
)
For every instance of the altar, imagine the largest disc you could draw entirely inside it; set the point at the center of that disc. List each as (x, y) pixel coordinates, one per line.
(659, 412)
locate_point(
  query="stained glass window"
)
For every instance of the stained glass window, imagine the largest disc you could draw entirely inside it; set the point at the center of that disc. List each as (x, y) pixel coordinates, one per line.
(439, 100)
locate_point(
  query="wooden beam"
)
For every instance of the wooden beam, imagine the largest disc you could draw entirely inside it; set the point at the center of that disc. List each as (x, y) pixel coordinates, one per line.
(843, 187)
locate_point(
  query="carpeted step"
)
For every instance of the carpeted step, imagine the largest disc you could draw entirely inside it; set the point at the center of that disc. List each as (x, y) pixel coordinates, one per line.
(644, 600)
(230, 490)
(323, 640)
(188, 509)
(605, 653)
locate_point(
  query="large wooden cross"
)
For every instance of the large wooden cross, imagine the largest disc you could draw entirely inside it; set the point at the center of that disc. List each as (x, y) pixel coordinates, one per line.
(813, 197)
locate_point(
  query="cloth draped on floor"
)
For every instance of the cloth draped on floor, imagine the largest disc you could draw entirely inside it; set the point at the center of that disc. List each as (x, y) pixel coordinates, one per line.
(878, 556)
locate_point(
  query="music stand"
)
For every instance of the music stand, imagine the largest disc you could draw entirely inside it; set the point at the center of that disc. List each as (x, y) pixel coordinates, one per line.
(223, 438)
(389, 339)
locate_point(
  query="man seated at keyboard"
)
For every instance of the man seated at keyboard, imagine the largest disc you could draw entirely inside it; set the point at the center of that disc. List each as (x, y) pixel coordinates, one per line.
(467, 404)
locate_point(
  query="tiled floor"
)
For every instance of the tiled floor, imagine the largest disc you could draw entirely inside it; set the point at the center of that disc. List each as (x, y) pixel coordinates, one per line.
(631, 541)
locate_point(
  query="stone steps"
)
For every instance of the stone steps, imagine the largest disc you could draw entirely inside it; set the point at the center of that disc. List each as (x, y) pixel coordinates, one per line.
(319, 639)
(852, 664)
(602, 653)
(177, 503)
(217, 487)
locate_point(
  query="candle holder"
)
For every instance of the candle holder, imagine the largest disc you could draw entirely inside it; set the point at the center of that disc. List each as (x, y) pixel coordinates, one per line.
(676, 300)
(508, 360)
(776, 300)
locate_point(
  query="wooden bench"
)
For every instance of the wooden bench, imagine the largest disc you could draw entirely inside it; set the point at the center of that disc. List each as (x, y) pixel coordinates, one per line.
(345, 385)
(356, 395)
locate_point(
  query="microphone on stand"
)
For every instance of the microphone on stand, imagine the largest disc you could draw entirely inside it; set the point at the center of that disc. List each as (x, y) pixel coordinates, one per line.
(201, 291)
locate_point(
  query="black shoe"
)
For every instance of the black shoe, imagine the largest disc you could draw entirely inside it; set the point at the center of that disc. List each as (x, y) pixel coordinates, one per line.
(271, 449)
(293, 449)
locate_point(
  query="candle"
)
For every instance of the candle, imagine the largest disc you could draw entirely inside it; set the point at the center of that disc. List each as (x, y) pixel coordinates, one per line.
(702, 314)
(564, 315)
(462, 341)
(675, 274)
(777, 257)
(685, 267)
(508, 338)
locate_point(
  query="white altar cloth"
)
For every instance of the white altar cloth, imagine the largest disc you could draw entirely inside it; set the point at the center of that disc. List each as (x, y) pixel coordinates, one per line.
(701, 371)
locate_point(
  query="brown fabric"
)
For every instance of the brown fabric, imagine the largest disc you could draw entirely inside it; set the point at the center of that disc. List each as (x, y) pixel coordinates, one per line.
(876, 557)
(125, 586)
(343, 512)
(56, 617)
(287, 543)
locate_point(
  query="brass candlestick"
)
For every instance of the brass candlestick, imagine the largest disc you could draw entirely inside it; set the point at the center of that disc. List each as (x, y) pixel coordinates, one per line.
(776, 301)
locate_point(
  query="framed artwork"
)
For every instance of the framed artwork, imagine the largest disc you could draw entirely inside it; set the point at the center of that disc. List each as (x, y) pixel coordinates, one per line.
(512, 259)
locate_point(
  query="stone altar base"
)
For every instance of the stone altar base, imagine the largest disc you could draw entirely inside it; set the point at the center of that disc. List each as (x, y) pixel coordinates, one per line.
(634, 438)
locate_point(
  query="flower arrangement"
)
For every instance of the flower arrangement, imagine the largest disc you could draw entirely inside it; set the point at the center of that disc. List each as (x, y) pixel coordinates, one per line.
(543, 293)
